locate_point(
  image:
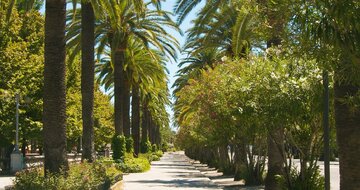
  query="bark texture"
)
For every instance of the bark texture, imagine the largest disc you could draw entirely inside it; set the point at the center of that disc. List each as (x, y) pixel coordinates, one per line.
(118, 88)
(54, 107)
(87, 79)
(135, 118)
(348, 131)
(126, 103)
(275, 159)
(144, 123)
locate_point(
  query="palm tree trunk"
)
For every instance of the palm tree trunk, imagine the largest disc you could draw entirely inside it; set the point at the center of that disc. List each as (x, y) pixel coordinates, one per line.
(87, 79)
(135, 118)
(121, 92)
(126, 104)
(348, 131)
(158, 136)
(54, 112)
(144, 128)
(275, 159)
(152, 130)
(275, 136)
(118, 89)
(144, 124)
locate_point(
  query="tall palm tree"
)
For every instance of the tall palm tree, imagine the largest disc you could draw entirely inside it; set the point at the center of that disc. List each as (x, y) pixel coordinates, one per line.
(87, 48)
(120, 24)
(54, 113)
(145, 71)
(87, 78)
(85, 31)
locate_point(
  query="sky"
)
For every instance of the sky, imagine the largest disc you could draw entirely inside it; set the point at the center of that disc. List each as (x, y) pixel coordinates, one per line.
(168, 5)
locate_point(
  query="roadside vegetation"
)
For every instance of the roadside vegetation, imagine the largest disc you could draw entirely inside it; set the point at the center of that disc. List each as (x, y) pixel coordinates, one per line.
(250, 95)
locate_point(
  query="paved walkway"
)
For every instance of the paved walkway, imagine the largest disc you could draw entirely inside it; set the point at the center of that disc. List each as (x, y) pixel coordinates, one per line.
(5, 181)
(173, 171)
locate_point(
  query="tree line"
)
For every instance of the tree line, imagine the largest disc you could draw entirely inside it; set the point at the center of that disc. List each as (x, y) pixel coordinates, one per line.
(119, 47)
(250, 92)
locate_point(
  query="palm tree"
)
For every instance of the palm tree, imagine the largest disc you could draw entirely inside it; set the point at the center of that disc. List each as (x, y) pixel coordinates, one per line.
(184, 7)
(87, 78)
(54, 113)
(87, 84)
(145, 69)
(229, 29)
(119, 27)
(191, 67)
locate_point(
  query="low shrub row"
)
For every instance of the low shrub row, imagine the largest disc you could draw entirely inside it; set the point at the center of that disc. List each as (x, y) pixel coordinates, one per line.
(98, 175)
(130, 164)
(82, 176)
(151, 156)
(133, 165)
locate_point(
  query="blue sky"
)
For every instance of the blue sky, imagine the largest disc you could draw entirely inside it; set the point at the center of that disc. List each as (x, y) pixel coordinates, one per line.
(168, 5)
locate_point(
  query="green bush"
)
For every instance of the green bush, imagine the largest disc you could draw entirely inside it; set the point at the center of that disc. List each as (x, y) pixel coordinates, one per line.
(111, 171)
(158, 153)
(154, 148)
(119, 147)
(312, 179)
(145, 146)
(164, 147)
(80, 176)
(134, 165)
(152, 156)
(172, 149)
(32, 179)
(129, 145)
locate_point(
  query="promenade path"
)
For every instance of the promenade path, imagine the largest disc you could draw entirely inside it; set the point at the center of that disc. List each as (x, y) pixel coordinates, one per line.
(173, 171)
(5, 181)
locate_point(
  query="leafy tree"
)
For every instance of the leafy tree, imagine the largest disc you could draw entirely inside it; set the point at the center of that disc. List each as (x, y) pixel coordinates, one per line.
(103, 120)
(237, 102)
(21, 57)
